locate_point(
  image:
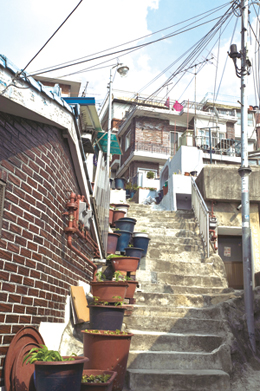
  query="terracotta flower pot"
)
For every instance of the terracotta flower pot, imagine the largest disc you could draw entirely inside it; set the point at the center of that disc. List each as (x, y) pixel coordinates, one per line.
(106, 290)
(111, 216)
(118, 214)
(109, 352)
(132, 285)
(125, 264)
(98, 386)
(59, 375)
(112, 239)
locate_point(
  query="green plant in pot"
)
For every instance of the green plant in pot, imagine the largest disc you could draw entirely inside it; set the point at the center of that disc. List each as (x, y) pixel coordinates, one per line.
(108, 290)
(150, 175)
(97, 380)
(54, 372)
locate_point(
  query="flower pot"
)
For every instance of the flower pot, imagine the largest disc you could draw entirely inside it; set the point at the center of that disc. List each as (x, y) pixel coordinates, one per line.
(142, 242)
(126, 224)
(140, 234)
(98, 386)
(123, 240)
(111, 216)
(118, 214)
(123, 207)
(134, 252)
(59, 375)
(105, 290)
(106, 317)
(132, 285)
(112, 239)
(108, 351)
(125, 264)
(120, 183)
(165, 190)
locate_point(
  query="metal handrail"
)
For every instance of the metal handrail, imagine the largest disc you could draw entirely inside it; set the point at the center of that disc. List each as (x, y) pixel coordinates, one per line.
(201, 214)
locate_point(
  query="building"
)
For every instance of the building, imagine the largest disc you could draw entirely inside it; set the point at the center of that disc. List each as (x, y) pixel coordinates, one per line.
(50, 237)
(149, 133)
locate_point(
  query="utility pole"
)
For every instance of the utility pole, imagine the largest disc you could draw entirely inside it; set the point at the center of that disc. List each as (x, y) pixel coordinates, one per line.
(244, 172)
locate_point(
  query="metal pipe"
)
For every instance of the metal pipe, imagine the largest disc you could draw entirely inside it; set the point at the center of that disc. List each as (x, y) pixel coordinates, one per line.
(244, 172)
(72, 206)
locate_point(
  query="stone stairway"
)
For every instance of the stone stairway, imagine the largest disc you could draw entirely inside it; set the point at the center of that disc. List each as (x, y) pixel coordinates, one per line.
(178, 341)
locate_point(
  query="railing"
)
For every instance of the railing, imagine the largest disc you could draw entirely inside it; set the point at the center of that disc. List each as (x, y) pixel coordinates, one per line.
(225, 146)
(152, 148)
(201, 214)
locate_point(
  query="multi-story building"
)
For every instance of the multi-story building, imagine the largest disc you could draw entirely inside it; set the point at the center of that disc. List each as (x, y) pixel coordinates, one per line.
(149, 133)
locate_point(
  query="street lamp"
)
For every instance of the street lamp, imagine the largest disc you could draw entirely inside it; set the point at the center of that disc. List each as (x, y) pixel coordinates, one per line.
(122, 70)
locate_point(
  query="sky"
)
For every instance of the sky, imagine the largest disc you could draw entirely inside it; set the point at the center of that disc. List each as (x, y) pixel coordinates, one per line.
(101, 24)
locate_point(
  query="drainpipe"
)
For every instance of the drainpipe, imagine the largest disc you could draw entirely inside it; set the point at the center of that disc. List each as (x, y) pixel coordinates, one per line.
(72, 207)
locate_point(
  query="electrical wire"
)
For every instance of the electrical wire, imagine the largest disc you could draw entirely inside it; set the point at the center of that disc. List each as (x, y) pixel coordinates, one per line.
(199, 48)
(124, 50)
(55, 32)
(134, 40)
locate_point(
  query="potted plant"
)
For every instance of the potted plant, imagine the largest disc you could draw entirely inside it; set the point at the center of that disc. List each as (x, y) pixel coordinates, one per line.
(111, 216)
(123, 263)
(150, 175)
(109, 350)
(108, 291)
(132, 251)
(123, 240)
(97, 380)
(118, 214)
(126, 224)
(112, 239)
(105, 316)
(54, 372)
(141, 240)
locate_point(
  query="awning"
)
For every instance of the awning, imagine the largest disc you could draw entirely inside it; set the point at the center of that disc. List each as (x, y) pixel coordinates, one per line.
(102, 143)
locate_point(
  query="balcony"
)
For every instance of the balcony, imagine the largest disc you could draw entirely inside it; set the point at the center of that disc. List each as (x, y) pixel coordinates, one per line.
(152, 148)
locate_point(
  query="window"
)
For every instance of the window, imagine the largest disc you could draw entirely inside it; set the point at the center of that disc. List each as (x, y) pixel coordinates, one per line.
(2, 197)
(127, 141)
(250, 119)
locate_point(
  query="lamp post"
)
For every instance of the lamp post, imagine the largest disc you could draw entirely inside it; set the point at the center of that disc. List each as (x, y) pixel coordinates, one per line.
(122, 70)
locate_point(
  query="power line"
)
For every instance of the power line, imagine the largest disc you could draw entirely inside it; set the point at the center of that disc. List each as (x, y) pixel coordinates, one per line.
(134, 40)
(51, 36)
(124, 50)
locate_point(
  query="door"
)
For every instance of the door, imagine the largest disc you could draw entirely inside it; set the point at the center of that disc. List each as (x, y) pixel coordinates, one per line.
(230, 250)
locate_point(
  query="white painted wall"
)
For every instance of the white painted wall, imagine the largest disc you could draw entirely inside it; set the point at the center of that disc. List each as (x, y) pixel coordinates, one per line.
(176, 184)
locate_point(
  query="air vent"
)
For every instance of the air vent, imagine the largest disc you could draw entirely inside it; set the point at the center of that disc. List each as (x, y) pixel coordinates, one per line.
(2, 198)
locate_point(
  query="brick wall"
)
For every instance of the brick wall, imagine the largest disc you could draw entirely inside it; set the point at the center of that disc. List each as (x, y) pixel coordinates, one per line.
(36, 266)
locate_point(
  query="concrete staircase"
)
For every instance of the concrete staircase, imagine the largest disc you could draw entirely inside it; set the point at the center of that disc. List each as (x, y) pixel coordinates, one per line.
(178, 341)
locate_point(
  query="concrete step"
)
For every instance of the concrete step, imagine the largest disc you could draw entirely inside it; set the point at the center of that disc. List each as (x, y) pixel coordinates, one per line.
(217, 359)
(158, 341)
(153, 287)
(156, 222)
(171, 247)
(177, 380)
(190, 267)
(161, 312)
(174, 325)
(174, 240)
(193, 281)
(174, 253)
(182, 300)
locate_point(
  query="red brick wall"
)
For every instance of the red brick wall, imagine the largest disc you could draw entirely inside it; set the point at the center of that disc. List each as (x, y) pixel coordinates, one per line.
(36, 266)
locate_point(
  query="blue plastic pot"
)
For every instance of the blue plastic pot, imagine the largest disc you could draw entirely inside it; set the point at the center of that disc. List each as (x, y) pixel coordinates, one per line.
(125, 224)
(134, 252)
(141, 242)
(119, 183)
(123, 240)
